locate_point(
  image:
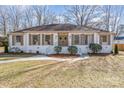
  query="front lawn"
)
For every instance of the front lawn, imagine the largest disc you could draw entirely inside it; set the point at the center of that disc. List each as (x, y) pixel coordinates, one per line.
(97, 71)
(21, 74)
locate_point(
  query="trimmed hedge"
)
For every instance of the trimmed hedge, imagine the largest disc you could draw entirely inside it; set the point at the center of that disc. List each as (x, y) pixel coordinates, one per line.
(72, 50)
(95, 48)
(57, 49)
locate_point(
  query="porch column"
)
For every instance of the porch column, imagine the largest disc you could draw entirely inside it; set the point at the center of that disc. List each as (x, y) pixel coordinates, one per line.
(96, 38)
(55, 39)
(69, 39)
(41, 39)
(26, 41)
(111, 39)
(10, 40)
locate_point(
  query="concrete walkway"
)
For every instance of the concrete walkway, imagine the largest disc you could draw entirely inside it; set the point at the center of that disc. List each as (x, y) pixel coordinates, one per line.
(41, 57)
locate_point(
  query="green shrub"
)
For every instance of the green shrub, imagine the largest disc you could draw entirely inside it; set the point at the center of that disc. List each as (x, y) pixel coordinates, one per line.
(72, 49)
(116, 49)
(57, 49)
(95, 48)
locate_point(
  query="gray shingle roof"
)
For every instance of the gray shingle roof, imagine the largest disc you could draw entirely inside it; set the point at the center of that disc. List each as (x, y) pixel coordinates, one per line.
(59, 27)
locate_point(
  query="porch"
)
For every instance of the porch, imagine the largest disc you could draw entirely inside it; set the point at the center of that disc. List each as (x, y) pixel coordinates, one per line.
(45, 42)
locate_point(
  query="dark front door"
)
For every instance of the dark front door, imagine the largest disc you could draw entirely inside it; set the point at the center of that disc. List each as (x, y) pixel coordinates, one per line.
(63, 39)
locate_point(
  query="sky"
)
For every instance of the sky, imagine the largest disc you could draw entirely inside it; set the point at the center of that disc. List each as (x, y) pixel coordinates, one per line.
(58, 9)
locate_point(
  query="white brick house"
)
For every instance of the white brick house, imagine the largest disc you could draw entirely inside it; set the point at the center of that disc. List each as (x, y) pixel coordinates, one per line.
(44, 38)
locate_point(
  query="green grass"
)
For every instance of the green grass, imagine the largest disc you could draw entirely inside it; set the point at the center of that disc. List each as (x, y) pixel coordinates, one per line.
(98, 71)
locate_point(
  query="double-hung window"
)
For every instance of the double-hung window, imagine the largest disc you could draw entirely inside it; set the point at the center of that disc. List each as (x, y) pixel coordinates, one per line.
(104, 39)
(75, 40)
(47, 39)
(34, 39)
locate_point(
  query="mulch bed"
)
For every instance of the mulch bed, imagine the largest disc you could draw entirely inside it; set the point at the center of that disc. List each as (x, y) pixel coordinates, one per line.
(63, 55)
(15, 54)
(99, 54)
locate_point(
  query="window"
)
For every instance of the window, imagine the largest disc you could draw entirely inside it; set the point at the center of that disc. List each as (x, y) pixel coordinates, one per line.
(47, 39)
(105, 39)
(75, 39)
(80, 39)
(84, 39)
(17, 40)
(34, 39)
(90, 39)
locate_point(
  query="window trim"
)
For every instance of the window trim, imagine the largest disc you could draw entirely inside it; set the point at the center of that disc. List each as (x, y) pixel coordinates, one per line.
(84, 37)
(44, 39)
(15, 42)
(74, 38)
(31, 39)
(107, 40)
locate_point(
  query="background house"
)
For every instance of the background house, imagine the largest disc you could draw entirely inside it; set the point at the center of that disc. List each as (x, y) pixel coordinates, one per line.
(119, 39)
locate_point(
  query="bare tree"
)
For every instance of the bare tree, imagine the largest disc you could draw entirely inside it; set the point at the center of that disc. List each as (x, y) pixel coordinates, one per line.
(19, 17)
(81, 15)
(40, 14)
(50, 17)
(110, 17)
(104, 17)
(28, 17)
(15, 14)
(43, 15)
(107, 11)
(3, 19)
(117, 12)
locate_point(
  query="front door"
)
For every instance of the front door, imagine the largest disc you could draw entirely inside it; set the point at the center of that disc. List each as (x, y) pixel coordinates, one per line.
(63, 39)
